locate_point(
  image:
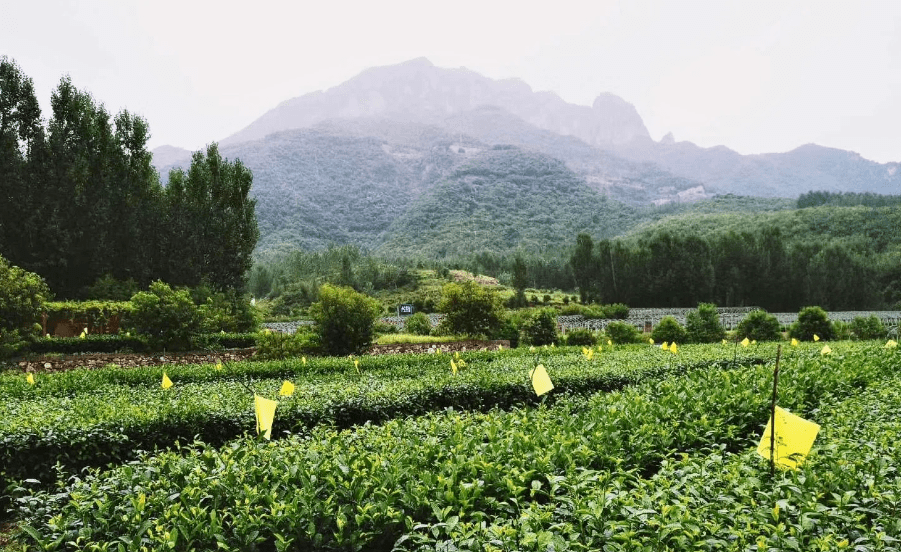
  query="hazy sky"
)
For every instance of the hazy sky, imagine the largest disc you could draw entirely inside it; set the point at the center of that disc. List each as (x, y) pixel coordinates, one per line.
(756, 76)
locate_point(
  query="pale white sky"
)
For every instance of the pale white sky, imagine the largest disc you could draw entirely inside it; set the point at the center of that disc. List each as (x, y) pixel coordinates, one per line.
(756, 75)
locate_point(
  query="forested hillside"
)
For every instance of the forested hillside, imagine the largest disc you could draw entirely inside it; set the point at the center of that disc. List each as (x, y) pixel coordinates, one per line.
(841, 258)
(500, 200)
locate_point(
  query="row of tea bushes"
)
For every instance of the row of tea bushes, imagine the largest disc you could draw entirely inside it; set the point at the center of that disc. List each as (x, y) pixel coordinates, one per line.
(83, 419)
(847, 496)
(585, 473)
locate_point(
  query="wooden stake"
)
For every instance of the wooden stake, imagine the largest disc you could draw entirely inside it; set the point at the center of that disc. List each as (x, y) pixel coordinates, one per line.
(773, 414)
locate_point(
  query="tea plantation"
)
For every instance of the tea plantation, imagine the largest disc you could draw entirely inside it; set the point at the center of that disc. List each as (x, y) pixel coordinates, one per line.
(635, 449)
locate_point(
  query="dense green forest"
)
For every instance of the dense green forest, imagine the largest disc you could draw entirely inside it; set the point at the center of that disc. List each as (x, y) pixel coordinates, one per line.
(81, 202)
(841, 258)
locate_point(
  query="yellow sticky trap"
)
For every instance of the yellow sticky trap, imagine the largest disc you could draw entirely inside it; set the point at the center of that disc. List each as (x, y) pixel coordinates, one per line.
(541, 382)
(745, 342)
(826, 350)
(287, 389)
(457, 355)
(30, 378)
(753, 342)
(265, 412)
(600, 350)
(531, 349)
(794, 342)
(891, 344)
(816, 337)
(665, 346)
(500, 347)
(674, 348)
(218, 366)
(304, 360)
(357, 365)
(724, 342)
(453, 367)
(610, 343)
(588, 353)
(585, 351)
(651, 341)
(552, 345)
(166, 383)
(438, 350)
(794, 438)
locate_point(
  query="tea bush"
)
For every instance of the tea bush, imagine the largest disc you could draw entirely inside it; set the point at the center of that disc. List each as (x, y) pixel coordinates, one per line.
(811, 321)
(669, 329)
(581, 337)
(703, 324)
(541, 328)
(418, 324)
(344, 320)
(622, 333)
(759, 325)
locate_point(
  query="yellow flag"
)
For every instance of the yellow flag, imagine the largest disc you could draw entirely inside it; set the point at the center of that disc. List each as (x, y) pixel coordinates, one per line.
(745, 342)
(794, 438)
(826, 350)
(453, 367)
(891, 344)
(816, 337)
(794, 342)
(265, 412)
(167, 383)
(30, 378)
(673, 348)
(541, 382)
(287, 389)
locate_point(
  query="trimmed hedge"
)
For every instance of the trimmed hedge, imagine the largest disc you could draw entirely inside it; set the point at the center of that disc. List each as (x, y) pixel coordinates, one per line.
(665, 465)
(120, 343)
(90, 418)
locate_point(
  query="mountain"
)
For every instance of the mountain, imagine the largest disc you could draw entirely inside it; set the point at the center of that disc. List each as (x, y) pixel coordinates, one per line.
(806, 168)
(417, 91)
(399, 159)
(503, 199)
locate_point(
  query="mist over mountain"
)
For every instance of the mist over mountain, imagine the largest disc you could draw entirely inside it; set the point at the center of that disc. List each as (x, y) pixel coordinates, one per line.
(417, 91)
(399, 158)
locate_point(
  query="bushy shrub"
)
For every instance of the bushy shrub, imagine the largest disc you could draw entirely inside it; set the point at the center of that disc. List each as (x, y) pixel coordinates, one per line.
(669, 329)
(623, 333)
(541, 328)
(759, 325)
(22, 298)
(616, 310)
(226, 311)
(419, 324)
(869, 327)
(703, 324)
(471, 310)
(581, 336)
(109, 288)
(509, 330)
(344, 319)
(167, 318)
(279, 346)
(811, 320)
